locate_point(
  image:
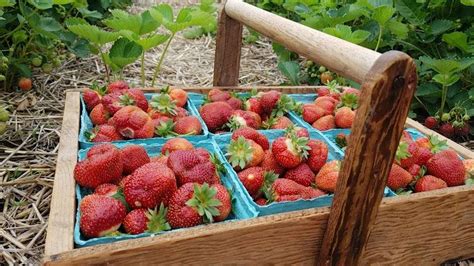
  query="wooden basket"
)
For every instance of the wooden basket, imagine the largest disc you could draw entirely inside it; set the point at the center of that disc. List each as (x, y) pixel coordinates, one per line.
(360, 227)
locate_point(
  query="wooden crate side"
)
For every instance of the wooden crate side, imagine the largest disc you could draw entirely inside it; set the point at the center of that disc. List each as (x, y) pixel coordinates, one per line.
(425, 228)
(59, 236)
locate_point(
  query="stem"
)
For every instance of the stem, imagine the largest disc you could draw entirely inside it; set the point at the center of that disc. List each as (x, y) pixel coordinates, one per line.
(107, 75)
(413, 46)
(157, 69)
(380, 37)
(444, 94)
(142, 71)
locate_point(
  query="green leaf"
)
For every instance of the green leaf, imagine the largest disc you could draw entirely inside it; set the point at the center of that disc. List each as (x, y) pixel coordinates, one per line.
(155, 40)
(186, 17)
(93, 33)
(345, 32)
(382, 14)
(459, 40)
(467, 2)
(139, 24)
(446, 79)
(19, 36)
(410, 10)
(6, 3)
(291, 70)
(49, 24)
(42, 4)
(440, 26)
(124, 52)
(398, 28)
(86, 13)
(63, 2)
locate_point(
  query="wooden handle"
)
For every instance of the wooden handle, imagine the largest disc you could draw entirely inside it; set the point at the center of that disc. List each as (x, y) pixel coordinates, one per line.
(345, 58)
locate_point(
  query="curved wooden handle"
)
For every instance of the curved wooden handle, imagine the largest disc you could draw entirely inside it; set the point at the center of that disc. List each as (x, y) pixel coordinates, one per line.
(345, 58)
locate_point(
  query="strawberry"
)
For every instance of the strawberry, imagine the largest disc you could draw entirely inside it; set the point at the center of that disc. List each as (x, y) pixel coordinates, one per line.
(215, 114)
(160, 159)
(122, 181)
(133, 157)
(99, 115)
(269, 100)
(301, 174)
(100, 215)
(163, 126)
(405, 155)
(326, 179)
(447, 166)
(133, 123)
(243, 153)
(446, 130)
(317, 155)
(193, 166)
(176, 144)
(342, 140)
(344, 117)
(180, 113)
(189, 125)
(235, 103)
(261, 201)
(289, 152)
(463, 130)
(414, 170)
(179, 96)
(398, 178)
(25, 84)
(269, 163)
(350, 90)
(253, 104)
(91, 98)
(281, 122)
(406, 137)
(349, 100)
(252, 134)
(149, 186)
(422, 155)
(288, 190)
(325, 123)
(431, 122)
(252, 178)
(216, 95)
(323, 91)
(106, 189)
(117, 86)
(311, 113)
(102, 165)
(142, 220)
(225, 207)
(103, 133)
(133, 97)
(429, 182)
(242, 118)
(162, 105)
(301, 132)
(328, 104)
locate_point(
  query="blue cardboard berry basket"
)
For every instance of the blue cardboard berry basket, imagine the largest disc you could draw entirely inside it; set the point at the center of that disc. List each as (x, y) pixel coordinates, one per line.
(222, 141)
(86, 126)
(241, 209)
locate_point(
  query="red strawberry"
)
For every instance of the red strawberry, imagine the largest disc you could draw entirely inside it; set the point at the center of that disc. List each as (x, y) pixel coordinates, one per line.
(133, 157)
(414, 170)
(163, 126)
(91, 98)
(102, 165)
(289, 152)
(326, 179)
(149, 186)
(100, 215)
(243, 153)
(180, 113)
(253, 104)
(193, 166)
(311, 113)
(160, 159)
(281, 122)
(446, 130)
(215, 114)
(103, 133)
(122, 181)
(216, 95)
(163, 105)
(288, 190)
(261, 201)
(398, 178)
(252, 134)
(429, 182)
(301, 174)
(189, 125)
(176, 144)
(236, 103)
(423, 142)
(431, 122)
(463, 130)
(180, 97)
(133, 123)
(323, 91)
(117, 86)
(269, 163)
(405, 155)
(318, 154)
(406, 137)
(325, 123)
(344, 117)
(328, 104)
(99, 115)
(447, 166)
(350, 90)
(252, 178)
(106, 189)
(142, 220)
(225, 207)
(422, 155)
(133, 97)
(269, 101)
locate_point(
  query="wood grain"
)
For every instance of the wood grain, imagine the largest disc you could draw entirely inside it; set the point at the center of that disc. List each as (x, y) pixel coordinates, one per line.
(59, 236)
(347, 59)
(383, 107)
(228, 48)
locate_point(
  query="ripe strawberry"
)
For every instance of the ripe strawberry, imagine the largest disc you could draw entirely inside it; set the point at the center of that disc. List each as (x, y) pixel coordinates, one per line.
(253, 104)
(91, 98)
(327, 103)
(261, 201)
(193, 166)
(318, 154)
(431, 122)
(176, 144)
(446, 130)
(133, 97)
(99, 115)
(163, 105)
(252, 178)
(398, 178)
(269, 163)
(311, 113)
(102, 165)
(100, 215)
(25, 84)
(281, 122)
(297, 131)
(149, 186)
(225, 207)
(323, 91)
(180, 113)
(163, 126)
(422, 155)
(326, 179)
(325, 123)
(405, 155)
(215, 114)
(414, 170)
(133, 157)
(235, 103)
(189, 125)
(103, 133)
(106, 189)
(301, 174)
(160, 159)
(142, 220)
(133, 123)
(344, 117)
(447, 166)
(429, 182)
(463, 130)
(242, 118)
(252, 134)
(117, 86)
(269, 101)
(243, 153)
(288, 190)
(216, 95)
(180, 96)
(289, 152)
(122, 181)
(350, 90)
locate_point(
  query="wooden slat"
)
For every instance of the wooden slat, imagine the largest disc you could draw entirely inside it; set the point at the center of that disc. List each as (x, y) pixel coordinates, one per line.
(421, 229)
(59, 236)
